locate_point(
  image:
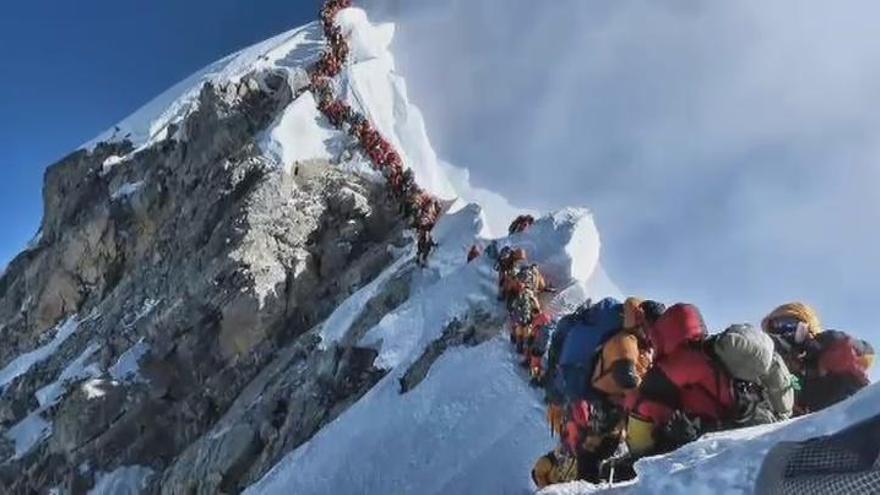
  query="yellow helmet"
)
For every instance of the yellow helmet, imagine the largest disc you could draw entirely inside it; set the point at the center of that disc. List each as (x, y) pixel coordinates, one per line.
(795, 310)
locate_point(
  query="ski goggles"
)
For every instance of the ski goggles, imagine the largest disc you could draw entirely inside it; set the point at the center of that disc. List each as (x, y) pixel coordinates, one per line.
(790, 327)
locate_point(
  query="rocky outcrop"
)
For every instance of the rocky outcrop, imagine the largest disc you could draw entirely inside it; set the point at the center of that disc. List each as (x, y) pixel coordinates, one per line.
(215, 267)
(478, 327)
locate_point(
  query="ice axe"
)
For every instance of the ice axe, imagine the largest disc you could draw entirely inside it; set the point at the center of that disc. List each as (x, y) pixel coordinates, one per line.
(621, 456)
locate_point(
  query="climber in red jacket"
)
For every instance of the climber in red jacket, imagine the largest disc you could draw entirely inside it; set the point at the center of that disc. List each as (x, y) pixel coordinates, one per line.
(836, 367)
(685, 393)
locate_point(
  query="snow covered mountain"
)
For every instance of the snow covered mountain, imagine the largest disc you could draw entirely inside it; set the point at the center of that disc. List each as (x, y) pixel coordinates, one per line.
(221, 284)
(223, 299)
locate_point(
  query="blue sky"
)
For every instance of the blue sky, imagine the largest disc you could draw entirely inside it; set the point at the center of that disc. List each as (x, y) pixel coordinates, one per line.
(729, 150)
(73, 69)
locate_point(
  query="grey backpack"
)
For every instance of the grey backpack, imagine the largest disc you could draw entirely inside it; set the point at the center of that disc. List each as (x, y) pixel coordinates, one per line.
(746, 352)
(748, 355)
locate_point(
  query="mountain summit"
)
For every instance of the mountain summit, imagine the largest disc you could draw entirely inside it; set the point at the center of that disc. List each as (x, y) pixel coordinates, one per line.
(222, 282)
(260, 283)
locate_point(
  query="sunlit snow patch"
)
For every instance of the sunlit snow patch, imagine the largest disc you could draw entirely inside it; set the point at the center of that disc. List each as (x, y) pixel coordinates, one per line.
(76, 370)
(126, 190)
(472, 425)
(23, 363)
(127, 367)
(371, 85)
(28, 432)
(127, 480)
(300, 133)
(97, 388)
(296, 48)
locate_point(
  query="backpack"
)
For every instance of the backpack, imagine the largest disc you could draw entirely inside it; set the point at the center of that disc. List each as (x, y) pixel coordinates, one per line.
(779, 386)
(761, 381)
(524, 307)
(587, 330)
(529, 276)
(745, 352)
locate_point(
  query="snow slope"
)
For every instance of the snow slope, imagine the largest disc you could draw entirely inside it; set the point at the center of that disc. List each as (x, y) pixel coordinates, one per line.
(444, 436)
(292, 50)
(728, 463)
(473, 425)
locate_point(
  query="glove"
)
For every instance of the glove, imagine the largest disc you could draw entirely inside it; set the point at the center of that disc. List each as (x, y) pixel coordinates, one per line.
(556, 419)
(680, 430)
(796, 384)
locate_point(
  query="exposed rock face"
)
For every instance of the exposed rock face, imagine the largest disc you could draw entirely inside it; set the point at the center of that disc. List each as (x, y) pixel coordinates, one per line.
(215, 266)
(477, 328)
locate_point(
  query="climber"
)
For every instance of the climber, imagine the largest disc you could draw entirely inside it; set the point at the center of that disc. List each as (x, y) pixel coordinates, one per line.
(473, 253)
(521, 224)
(762, 384)
(787, 319)
(524, 308)
(537, 339)
(426, 244)
(529, 276)
(617, 371)
(407, 180)
(410, 206)
(589, 425)
(507, 266)
(684, 394)
(336, 112)
(557, 466)
(429, 213)
(829, 365)
(627, 356)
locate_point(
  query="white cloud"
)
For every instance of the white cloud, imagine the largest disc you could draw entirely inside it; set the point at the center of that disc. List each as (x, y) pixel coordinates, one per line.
(728, 149)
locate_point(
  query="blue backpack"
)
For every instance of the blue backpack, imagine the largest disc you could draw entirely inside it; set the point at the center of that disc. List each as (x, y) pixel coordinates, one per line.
(587, 330)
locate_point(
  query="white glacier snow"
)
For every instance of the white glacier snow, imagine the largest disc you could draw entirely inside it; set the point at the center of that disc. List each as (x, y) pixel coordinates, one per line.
(78, 369)
(21, 364)
(127, 480)
(127, 367)
(126, 190)
(300, 133)
(371, 85)
(293, 49)
(28, 432)
(472, 425)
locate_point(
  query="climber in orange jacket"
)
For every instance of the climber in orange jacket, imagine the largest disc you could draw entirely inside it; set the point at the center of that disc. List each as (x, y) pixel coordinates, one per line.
(627, 356)
(596, 430)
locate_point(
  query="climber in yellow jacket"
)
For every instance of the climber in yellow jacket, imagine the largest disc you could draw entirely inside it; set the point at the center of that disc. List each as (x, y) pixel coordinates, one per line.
(627, 356)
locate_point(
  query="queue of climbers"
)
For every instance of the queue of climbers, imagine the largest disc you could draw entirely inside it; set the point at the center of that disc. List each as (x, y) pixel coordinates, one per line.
(622, 380)
(627, 379)
(419, 208)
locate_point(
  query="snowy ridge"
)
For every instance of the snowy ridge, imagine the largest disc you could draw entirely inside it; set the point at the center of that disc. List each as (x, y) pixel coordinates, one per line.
(292, 50)
(728, 462)
(472, 424)
(443, 436)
